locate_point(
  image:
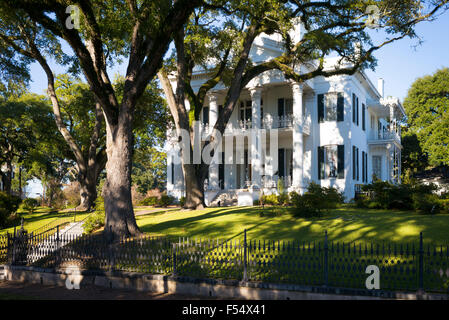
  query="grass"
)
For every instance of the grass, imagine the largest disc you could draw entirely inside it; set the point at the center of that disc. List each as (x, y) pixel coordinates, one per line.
(343, 224)
(40, 217)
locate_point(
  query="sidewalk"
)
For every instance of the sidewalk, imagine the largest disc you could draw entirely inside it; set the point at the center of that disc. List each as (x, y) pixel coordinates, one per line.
(13, 290)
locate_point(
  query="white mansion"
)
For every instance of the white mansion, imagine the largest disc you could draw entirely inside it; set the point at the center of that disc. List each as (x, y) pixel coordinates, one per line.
(337, 131)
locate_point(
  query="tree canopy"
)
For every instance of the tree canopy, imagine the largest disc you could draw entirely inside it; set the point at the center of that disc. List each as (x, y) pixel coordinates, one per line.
(427, 109)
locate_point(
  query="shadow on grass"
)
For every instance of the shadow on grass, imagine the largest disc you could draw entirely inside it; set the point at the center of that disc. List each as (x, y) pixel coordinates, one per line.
(343, 224)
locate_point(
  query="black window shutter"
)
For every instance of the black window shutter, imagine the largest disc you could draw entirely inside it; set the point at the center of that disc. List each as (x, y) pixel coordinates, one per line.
(363, 166)
(353, 107)
(341, 162)
(281, 160)
(340, 107)
(357, 110)
(321, 108)
(205, 115)
(354, 176)
(357, 154)
(366, 167)
(320, 162)
(280, 107)
(363, 117)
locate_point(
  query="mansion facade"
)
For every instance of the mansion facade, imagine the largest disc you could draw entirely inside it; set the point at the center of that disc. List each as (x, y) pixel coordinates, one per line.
(339, 131)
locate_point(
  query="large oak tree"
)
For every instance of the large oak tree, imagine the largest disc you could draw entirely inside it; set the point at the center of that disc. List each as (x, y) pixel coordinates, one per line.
(140, 31)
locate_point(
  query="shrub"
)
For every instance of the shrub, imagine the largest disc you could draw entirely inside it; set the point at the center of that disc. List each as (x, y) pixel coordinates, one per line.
(444, 205)
(426, 203)
(8, 206)
(315, 200)
(94, 222)
(182, 201)
(165, 200)
(29, 204)
(283, 199)
(385, 195)
(149, 201)
(99, 204)
(271, 199)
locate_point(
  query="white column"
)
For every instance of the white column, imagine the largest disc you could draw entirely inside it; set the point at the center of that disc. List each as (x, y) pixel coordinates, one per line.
(298, 150)
(256, 141)
(213, 168)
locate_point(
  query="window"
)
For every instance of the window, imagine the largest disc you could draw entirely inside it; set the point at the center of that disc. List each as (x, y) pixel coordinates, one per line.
(373, 122)
(331, 162)
(246, 113)
(285, 107)
(331, 107)
(377, 166)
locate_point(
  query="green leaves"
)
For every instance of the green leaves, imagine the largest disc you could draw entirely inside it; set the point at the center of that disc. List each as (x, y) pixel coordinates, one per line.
(427, 107)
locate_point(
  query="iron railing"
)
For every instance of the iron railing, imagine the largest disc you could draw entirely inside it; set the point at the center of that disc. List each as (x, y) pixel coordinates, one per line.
(403, 266)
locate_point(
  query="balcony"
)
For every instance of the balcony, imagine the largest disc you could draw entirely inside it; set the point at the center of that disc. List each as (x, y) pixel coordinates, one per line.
(384, 136)
(269, 122)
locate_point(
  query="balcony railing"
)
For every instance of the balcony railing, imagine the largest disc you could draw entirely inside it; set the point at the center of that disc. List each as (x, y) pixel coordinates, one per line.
(269, 122)
(385, 135)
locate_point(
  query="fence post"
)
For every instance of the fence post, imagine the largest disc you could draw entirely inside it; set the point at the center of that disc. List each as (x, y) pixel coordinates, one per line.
(245, 262)
(58, 253)
(174, 258)
(14, 247)
(326, 260)
(421, 264)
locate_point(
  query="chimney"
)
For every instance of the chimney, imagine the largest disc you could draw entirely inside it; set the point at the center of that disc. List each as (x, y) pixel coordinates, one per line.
(380, 87)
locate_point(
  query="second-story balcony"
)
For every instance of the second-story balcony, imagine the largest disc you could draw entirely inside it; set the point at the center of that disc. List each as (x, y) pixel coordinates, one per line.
(269, 122)
(384, 136)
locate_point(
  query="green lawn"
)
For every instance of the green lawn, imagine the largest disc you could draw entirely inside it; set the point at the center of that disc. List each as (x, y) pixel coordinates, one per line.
(40, 217)
(344, 224)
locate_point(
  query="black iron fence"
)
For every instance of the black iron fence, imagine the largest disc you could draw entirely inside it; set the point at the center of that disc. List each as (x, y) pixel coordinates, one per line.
(402, 266)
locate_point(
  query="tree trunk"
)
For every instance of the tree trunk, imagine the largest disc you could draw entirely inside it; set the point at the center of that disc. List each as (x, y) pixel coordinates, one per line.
(88, 195)
(7, 178)
(194, 184)
(120, 220)
(20, 182)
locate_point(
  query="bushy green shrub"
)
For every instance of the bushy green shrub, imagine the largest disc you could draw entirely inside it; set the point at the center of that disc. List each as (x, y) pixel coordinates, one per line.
(406, 196)
(94, 222)
(29, 204)
(165, 201)
(149, 201)
(283, 199)
(8, 206)
(182, 201)
(315, 200)
(426, 203)
(444, 205)
(270, 199)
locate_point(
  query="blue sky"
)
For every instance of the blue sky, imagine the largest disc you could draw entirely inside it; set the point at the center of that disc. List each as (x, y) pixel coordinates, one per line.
(399, 63)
